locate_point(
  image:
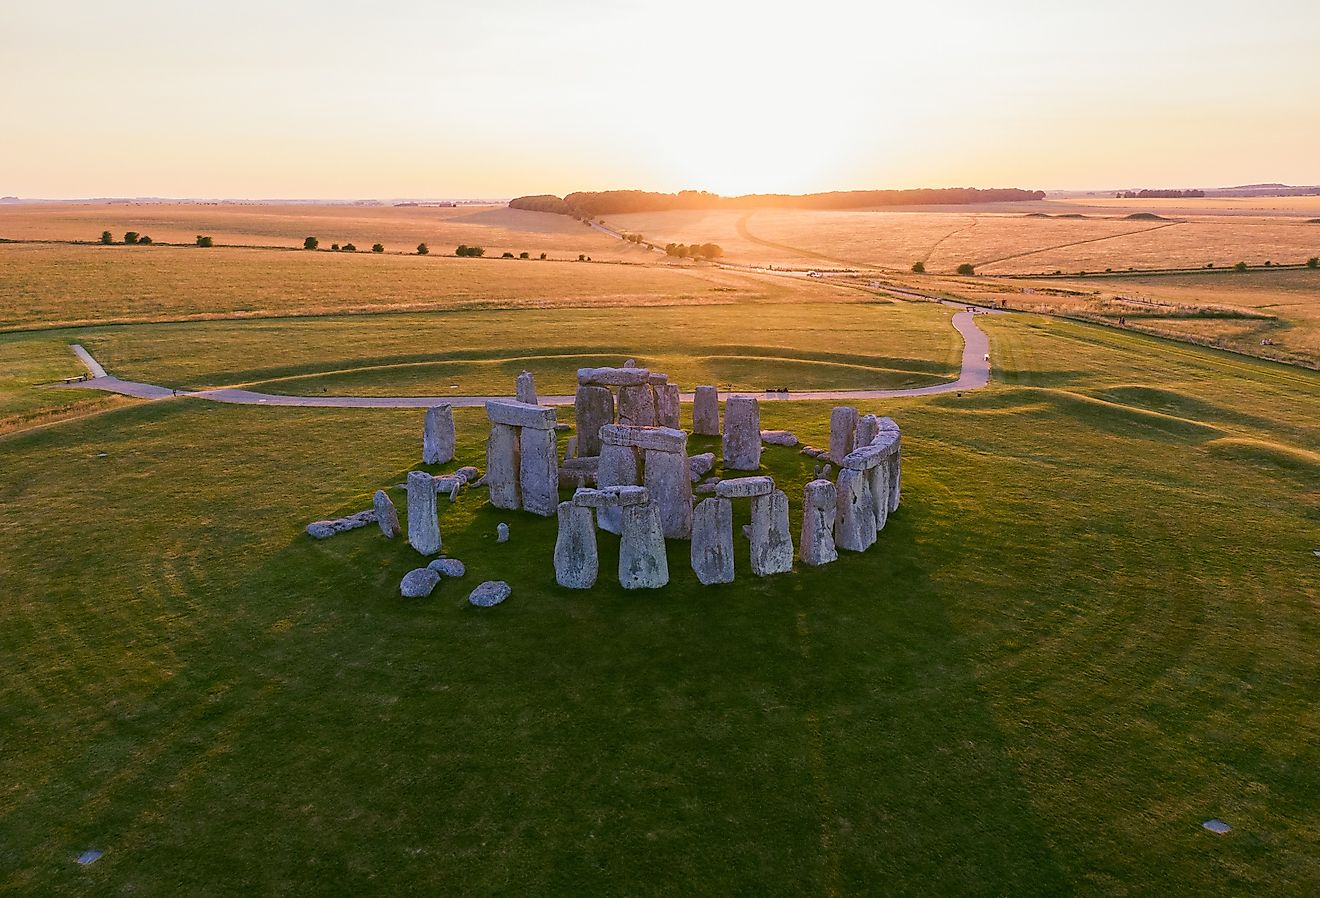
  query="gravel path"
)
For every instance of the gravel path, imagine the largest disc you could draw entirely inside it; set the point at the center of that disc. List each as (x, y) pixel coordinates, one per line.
(975, 374)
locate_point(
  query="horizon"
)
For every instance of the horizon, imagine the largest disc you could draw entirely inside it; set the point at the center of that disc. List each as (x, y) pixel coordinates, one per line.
(320, 103)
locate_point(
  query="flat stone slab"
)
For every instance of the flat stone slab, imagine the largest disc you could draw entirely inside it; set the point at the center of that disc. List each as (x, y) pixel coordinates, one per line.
(490, 593)
(448, 567)
(326, 529)
(745, 487)
(1216, 826)
(700, 465)
(418, 583)
(613, 377)
(611, 497)
(520, 414)
(662, 439)
(779, 437)
(884, 447)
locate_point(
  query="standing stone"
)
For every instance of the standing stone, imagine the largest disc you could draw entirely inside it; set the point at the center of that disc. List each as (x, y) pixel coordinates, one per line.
(594, 408)
(843, 432)
(386, 516)
(819, 508)
(525, 388)
(667, 405)
(642, 561)
(501, 532)
(502, 465)
(706, 411)
(576, 560)
(538, 471)
(618, 467)
(637, 405)
(772, 543)
(423, 519)
(742, 433)
(867, 428)
(570, 448)
(438, 435)
(877, 480)
(712, 541)
(667, 481)
(854, 525)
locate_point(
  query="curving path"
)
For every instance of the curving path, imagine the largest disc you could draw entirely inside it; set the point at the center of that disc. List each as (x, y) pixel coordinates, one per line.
(974, 375)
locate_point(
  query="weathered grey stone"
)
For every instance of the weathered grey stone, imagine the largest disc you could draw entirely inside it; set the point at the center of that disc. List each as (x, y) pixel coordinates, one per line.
(843, 431)
(637, 405)
(631, 363)
(570, 448)
(468, 473)
(455, 489)
(819, 508)
(742, 433)
(438, 435)
(613, 377)
(854, 525)
(666, 476)
(889, 425)
(386, 515)
(712, 541)
(538, 471)
(576, 560)
(814, 452)
(448, 567)
(667, 405)
(447, 483)
(594, 408)
(700, 465)
(618, 467)
(877, 480)
(666, 439)
(502, 465)
(706, 487)
(642, 561)
(655, 378)
(772, 542)
(576, 472)
(326, 529)
(743, 487)
(520, 414)
(706, 411)
(881, 449)
(778, 438)
(501, 532)
(490, 593)
(867, 427)
(418, 583)
(525, 388)
(423, 519)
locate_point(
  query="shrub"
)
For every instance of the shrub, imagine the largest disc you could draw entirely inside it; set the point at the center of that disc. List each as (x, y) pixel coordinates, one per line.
(471, 252)
(144, 239)
(543, 257)
(582, 257)
(423, 249)
(350, 248)
(107, 237)
(334, 247)
(203, 240)
(506, 255)
(1313, 262)
(524, 255)
(378, 247)
(310, 243)
(967, 268)
(1241, 266)
(131, 237)
(918, 267)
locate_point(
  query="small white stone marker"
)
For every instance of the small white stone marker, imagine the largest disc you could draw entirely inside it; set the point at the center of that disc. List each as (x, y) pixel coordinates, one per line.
(1216, 826)
(90, 856)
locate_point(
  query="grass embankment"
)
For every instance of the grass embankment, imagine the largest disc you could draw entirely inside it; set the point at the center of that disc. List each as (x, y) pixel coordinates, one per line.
(1091, 627)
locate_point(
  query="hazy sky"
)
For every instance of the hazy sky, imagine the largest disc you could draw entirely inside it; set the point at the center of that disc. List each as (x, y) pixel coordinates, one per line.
(498, 98)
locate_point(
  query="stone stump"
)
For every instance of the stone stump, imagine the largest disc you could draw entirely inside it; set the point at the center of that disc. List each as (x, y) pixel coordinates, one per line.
(423, 519)
(525, 388)
(843, 432)
(576, 560)
(502, 465)
(712, 541)
(593, 408)
(667, 405)
(819, 508)
(538, 471)
(438, 435)
(772, 543)
(742, 433)
(386, 515)
(637, 405)
(854, 524)
(642, 561)
(618, 467)
(706, 411)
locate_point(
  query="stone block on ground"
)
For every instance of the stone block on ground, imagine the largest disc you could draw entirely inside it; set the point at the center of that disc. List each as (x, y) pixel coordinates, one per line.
(448, 567)
(778, 438)
(418, 583)
(700, 465)
(490, 593)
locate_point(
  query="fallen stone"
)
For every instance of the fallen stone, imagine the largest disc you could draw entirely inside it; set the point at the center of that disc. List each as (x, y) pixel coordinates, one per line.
(438, 435)
(706, 411)
(613, 377)
(525, 388)
(423, 517)
(520, 414)
(386, 515)
(468, 473)
(742, 434)
(448, 567)
(854, 523)
(743, 487)
(712, 541)
(665, 439)
(538, 471)
(667, 405)
(418, 583)
(772, 542)
(501, 532)
(502, 466)
(326, 529)
(593, 408)
(843, 431)
(667, 481)
(819, 508)
(576, 560)
(778, 438)
(637, 405)
(700, 465)
(813, 452)
(490, 593)
(642, 560)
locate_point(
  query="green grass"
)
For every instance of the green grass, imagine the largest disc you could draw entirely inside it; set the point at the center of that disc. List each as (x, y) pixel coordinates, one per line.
(1091, 627)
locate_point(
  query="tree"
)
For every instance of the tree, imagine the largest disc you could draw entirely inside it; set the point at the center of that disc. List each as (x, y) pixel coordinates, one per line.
(310, 243)
(423, 249)
(1241, 266)
(203, 240)
(543, 257)
(1313, 262)
(378, 247)
(144, 239)
(709, 250)
(350, 248)
(918, 267)
(130, 237)
(506, 255)
(334, 247)
(524, 255)
(107, 237)
(967, 268)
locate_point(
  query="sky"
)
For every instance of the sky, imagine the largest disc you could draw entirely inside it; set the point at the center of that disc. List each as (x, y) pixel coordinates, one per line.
(497, 98)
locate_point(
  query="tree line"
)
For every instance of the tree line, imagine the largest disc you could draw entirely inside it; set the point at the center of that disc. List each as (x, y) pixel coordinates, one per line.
(1158, 194)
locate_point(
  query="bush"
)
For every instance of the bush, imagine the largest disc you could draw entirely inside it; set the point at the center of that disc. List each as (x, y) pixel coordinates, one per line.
(524, 255)
(423, 249)
(310, 243)
(1313, 262)
(378, 247)
(918, 267)
(203, 240)
(543, 257)
(350, 248)
(334, 247)
(967, 268)
(471, 252)
(144, 239)
(506, 255)
(1241, 266)
(131, 237)
(107, 237)
(582, 257)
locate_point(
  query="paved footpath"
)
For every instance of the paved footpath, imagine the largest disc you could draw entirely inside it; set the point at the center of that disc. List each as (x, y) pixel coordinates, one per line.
(975, 374)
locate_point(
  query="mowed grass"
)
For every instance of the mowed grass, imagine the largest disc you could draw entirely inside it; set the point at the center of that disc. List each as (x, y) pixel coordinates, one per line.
(1091, 627)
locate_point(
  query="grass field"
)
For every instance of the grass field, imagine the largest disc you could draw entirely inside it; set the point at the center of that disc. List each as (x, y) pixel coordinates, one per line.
(1091, 627)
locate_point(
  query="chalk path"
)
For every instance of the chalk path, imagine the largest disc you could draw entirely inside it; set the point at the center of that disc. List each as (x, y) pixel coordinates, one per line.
(974, 375)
